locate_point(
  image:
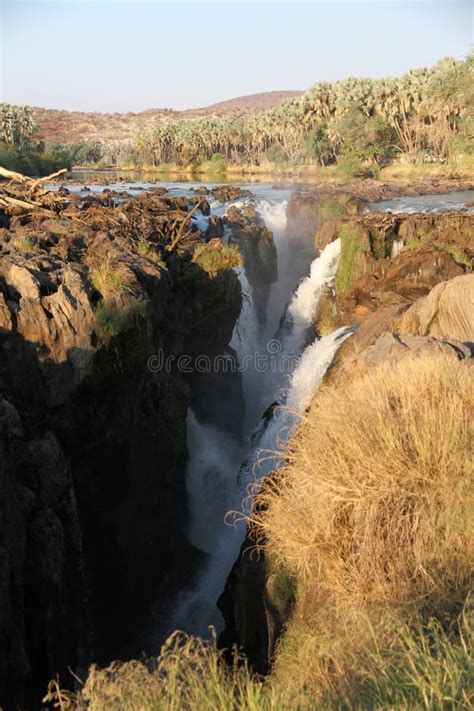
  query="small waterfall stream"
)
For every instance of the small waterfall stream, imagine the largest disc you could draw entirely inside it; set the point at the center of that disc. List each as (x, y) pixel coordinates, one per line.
(216, 478)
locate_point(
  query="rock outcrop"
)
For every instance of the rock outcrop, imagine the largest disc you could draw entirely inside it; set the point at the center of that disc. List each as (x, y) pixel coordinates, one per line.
(389, 260)
(447, 311)
(259, 252)
(97, 304)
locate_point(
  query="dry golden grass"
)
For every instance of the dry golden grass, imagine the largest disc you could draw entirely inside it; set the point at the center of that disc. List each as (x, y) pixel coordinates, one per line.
(373, 513)
(189, 675)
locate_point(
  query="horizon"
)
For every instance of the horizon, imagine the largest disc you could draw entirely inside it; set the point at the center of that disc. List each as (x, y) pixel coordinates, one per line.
(142, 70)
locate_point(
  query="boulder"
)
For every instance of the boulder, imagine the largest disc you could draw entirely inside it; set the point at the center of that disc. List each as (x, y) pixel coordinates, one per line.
(446, 312)
(394, 347)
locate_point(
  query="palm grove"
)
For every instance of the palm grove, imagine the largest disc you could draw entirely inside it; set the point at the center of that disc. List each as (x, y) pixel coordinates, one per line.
(357, 124)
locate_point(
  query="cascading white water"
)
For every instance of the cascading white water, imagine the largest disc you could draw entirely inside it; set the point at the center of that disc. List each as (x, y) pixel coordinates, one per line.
(302, 310)
(397, 247)
(300, 315)
(213, 461)
(313, 366)
(196, 609)
(304, 382)
(273, 214)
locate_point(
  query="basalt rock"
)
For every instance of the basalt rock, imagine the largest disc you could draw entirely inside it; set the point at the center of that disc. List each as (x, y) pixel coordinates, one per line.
(253, 608)
(228, 193)
(215, 227)
(259, 252)
(395, 347)
(94, 313)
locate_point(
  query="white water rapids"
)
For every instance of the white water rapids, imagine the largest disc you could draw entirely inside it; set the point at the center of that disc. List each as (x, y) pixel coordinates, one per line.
(216, 478)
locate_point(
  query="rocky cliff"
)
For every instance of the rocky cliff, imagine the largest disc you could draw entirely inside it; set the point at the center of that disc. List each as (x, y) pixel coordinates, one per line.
(99, 297)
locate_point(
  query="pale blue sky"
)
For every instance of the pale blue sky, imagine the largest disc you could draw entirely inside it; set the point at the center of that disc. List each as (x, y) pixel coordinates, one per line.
(103, 55)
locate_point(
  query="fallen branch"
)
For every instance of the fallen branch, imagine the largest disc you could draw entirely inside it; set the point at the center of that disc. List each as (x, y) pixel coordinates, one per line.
(175, 240)
(11, 175)
(6, 200)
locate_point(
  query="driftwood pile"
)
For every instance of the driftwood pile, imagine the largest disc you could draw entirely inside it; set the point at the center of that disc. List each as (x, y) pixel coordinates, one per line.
(20, 194)
(155, 213)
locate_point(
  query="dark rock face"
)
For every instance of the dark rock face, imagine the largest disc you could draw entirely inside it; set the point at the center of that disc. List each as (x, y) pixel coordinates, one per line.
(253, 607)
(41, 603)
(99, 409)
(259, 252)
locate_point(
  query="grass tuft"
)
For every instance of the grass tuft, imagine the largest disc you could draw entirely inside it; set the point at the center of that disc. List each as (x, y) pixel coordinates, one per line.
(27, 243)
(214, 260)
(110, 320)
(110, 278)
(371, 515)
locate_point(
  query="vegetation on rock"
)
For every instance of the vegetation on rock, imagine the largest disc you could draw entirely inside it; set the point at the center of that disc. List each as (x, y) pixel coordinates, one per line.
(216, 257)
(351, 243)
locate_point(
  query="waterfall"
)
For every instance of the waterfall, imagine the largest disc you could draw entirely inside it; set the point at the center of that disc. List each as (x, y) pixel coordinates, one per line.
(302, 310)
(209, 479)
(273, 214)
(299, 317)
(304, 382)
(196, 609)
(313, 366)
(397, 246)
(215, 479)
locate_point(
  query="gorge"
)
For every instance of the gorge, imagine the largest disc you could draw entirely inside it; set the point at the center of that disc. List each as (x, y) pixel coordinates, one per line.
(118, 469)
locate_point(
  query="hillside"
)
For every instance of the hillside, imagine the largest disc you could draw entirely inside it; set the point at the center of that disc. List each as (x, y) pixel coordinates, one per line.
(58, 126)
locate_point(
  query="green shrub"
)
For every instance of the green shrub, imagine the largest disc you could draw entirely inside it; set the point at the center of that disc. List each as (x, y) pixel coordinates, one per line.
(216, 259)
(218, 162)
(276, 155)
(350, 165)
(30, 161)
(145, 249)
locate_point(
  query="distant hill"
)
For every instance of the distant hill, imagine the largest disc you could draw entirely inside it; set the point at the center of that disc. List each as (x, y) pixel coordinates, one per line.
(75, 126)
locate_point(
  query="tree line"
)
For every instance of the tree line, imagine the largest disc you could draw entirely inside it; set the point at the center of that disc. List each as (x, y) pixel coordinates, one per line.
(356, 121)
(426, 114)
